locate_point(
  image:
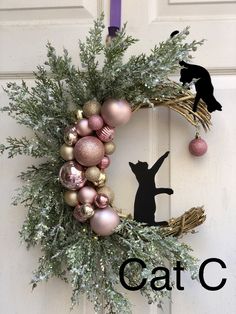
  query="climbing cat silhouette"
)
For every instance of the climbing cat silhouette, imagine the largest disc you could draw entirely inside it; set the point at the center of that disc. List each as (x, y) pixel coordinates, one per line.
(145, 205)
(203, 85)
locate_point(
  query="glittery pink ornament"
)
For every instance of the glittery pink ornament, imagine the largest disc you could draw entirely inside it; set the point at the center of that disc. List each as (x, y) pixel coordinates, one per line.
(89, 151)
(106, 134)
(82, 127)
(95, 122)
(104, 221)
(104, 163)
(72, 176)
(86, 195)
(116, 112)
(198, 146)
(101, 201)
(78, 214)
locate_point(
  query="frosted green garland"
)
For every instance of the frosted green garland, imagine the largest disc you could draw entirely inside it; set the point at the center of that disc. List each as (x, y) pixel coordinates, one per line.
(70, 250)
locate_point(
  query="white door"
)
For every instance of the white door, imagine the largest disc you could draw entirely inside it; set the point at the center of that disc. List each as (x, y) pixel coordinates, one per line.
(26, 26)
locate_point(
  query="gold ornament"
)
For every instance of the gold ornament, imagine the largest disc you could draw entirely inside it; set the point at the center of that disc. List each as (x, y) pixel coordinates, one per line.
(91, 107)
(110, 147)
(87, 210)
(70, 198)
(108, 192)
(92, 174)
(67, 152)
(101, 180)
(79, 114)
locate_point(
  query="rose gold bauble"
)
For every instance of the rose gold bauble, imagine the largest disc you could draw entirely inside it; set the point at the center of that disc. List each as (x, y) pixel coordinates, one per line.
(86, 195)
(108, 192)
(92, 174)
(95, 122)
(67, 152)
(116, 112)
(91, 107)
(104, 163)
(101, 180)
(89, 151)
(82, 127)
(101, 201)
(104, 221)
(198, 147)
(70, 136)
(106, 134)
(71, 198)
(72, 176)
(110, 147)
(78, 214)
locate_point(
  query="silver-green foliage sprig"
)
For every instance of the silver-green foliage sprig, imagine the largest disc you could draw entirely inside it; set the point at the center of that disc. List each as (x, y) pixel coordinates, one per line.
(70, 250)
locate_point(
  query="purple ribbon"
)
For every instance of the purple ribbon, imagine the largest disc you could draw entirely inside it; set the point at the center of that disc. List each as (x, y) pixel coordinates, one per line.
(115, 17)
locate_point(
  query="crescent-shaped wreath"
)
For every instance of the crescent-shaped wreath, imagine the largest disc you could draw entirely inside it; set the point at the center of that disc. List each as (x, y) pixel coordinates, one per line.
(83, 237)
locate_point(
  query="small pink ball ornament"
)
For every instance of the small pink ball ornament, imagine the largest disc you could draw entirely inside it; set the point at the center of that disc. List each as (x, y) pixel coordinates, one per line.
(95, 122)
(101, 201)
(106, 134)
(70, 135)
(104, 163)
(86, 195)
(83, 128)
(116, 112)
(89, 151)
(198, 147)
(72, 176)
(104, 221)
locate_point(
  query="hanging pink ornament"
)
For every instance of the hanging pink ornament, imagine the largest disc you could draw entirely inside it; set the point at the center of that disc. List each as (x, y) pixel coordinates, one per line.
(106, 134)
(104, 221)
(72, 176)
(116, 112)
(198, 146)
(95, 122)
(101, 201)
(70, 135)
(104, 163)
(86, 195)
(89, 151)
(82, 127)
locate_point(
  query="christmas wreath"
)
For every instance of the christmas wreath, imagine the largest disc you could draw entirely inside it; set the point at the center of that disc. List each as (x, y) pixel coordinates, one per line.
(71, 213)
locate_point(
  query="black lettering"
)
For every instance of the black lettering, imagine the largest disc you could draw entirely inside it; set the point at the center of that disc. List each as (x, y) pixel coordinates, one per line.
(201, 274)
(178, 270)
(122, 277)
(165, 277)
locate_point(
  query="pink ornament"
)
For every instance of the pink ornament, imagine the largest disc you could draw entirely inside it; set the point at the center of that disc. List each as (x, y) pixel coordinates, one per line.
(116, 112)
(104, 163)
(89, 151)
(198, 147)
(104, 221)
(95, 122)
(106, 134)
(78, 214)
(101, 201)
(82, 127)
(86, 195)
(72, 176)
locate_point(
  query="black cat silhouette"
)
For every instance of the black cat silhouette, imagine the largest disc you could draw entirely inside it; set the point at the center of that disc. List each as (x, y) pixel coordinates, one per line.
(203, 85)
(144, 205)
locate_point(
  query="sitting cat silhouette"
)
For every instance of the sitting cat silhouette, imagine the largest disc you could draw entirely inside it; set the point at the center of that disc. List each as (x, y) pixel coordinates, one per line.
(203, 85)
(145, 205)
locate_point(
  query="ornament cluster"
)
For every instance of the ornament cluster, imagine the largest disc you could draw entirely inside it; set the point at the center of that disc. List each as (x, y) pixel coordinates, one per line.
(88, 144)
